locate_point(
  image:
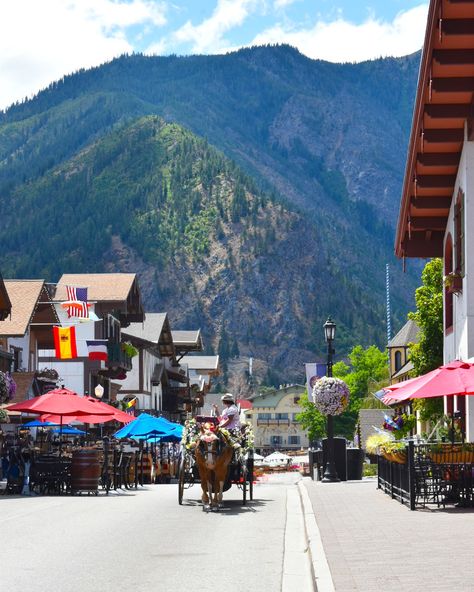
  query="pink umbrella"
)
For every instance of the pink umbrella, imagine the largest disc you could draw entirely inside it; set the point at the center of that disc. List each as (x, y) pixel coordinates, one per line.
(60, 402)
(113, 414)
(455, 378)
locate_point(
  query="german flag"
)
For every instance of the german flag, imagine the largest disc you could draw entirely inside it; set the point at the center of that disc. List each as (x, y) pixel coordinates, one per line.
(65, 342)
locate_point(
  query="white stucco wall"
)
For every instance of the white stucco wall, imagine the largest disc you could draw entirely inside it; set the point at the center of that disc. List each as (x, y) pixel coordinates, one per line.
(459, 343)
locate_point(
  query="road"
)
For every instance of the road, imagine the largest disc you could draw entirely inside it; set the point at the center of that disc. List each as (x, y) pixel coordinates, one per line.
(144, 541)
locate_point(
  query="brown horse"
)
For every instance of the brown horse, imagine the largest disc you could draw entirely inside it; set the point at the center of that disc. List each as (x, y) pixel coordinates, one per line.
(213, 454)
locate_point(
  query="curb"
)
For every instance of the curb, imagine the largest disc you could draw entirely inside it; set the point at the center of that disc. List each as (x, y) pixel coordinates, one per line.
(297, 573)
(319, 564)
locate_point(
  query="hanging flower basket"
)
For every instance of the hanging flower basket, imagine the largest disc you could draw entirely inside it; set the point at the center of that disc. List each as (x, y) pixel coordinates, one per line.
(330, 395)
(7, 387)
(453, 282)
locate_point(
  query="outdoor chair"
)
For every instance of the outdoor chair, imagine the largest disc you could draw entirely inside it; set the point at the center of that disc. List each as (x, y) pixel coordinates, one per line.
(430, 485)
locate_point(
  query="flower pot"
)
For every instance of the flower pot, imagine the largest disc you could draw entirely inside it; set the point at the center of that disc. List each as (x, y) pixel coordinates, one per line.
(454, 284)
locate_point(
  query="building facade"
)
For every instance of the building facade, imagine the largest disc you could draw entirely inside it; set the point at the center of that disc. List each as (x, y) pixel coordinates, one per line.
(273, 419)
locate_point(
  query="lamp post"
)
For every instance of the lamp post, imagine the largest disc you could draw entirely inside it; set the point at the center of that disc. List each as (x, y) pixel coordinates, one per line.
(330, 473)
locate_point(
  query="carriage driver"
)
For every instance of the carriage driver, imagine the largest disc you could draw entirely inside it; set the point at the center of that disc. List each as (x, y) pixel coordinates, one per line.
(230, 416)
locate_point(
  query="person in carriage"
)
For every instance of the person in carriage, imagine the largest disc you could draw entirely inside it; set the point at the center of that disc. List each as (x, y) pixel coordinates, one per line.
(229, 419)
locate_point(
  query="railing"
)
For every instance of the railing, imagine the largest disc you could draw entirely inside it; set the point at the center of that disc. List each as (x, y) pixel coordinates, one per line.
(398, 479)
(275, 422)
(432, 473)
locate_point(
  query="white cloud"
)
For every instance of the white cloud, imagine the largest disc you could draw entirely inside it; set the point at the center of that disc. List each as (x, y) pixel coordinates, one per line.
(207, 37)
(41, 40)
(283, 3)
(343, 41)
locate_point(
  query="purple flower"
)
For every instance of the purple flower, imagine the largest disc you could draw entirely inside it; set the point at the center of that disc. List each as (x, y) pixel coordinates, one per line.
(331, 395)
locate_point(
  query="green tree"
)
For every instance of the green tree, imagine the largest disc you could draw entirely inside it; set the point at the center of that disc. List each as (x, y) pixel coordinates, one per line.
(310, 419)
(427, 354)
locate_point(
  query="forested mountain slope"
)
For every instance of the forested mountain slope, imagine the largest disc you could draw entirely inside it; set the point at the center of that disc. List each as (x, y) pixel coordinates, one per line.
(86, 177)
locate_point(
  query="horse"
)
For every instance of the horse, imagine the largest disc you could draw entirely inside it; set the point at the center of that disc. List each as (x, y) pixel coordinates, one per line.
(213, 454)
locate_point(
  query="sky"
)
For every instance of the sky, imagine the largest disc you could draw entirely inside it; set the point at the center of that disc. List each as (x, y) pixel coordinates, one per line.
(43, 40)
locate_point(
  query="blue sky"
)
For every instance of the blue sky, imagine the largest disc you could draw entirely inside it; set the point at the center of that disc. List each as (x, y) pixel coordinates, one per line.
(41, 40)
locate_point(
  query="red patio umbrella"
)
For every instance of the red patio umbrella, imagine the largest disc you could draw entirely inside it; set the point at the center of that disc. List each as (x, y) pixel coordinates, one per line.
(455, 378)
(60, 402)
(113, 414)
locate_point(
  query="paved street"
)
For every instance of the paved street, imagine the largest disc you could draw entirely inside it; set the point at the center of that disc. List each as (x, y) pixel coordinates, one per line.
(145, 541)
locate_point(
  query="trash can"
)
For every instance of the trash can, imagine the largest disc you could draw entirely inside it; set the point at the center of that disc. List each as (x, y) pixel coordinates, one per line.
(355, 463)
(340, 458)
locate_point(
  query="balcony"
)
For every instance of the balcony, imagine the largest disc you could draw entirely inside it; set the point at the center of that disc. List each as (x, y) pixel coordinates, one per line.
(117, 358)
(273, 422)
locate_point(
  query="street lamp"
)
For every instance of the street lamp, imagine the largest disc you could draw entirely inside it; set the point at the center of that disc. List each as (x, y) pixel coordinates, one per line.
(99, 391)
(330, 473)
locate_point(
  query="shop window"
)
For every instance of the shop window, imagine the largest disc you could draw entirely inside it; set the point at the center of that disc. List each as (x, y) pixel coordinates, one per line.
(459, 233)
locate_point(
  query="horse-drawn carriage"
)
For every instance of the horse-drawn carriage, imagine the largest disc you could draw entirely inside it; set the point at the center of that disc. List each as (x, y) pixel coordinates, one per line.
(216, 459)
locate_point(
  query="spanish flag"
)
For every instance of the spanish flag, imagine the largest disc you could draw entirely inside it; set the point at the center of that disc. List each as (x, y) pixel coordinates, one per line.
(65, 342)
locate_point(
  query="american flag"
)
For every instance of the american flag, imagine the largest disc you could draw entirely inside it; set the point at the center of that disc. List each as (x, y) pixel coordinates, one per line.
(78, 296)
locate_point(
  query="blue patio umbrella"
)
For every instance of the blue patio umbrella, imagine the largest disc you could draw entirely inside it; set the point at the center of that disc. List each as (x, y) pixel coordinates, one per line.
(174, 435)
(147, 425)
(69, 430)
(36, 423)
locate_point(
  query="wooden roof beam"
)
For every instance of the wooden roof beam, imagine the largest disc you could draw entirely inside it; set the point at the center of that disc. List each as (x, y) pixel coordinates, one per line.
(454, 57)
(437, 159)
(430, 203)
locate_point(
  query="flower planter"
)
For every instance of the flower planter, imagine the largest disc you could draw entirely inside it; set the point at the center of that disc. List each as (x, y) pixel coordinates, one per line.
(453, 283)
(399, 456)
(452, 456)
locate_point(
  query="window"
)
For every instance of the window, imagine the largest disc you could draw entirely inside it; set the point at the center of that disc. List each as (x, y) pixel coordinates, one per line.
(448, 296)
(296, 400)
(281, 416)
(398, 360)
(17, 358)
(276, 440)
(294, 440)
(459, 233)
(264, 416)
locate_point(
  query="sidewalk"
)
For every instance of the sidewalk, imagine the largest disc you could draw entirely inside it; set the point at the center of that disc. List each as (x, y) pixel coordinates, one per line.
(373, 543)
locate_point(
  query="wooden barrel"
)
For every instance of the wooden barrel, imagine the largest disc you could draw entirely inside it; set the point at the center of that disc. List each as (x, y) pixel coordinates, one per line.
(147, 465)
(157, 467)
(85, 470)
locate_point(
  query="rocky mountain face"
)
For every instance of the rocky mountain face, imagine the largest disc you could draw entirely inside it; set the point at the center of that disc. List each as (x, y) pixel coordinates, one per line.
(257, 253)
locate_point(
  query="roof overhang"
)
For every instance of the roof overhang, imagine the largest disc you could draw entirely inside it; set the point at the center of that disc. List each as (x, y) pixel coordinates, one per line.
(443, 107)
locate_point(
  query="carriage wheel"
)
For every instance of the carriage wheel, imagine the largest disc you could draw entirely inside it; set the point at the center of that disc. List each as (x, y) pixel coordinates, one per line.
(181, 477)
(250, 476)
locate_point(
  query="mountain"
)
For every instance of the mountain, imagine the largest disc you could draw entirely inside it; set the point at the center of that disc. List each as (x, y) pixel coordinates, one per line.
(259, 250)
